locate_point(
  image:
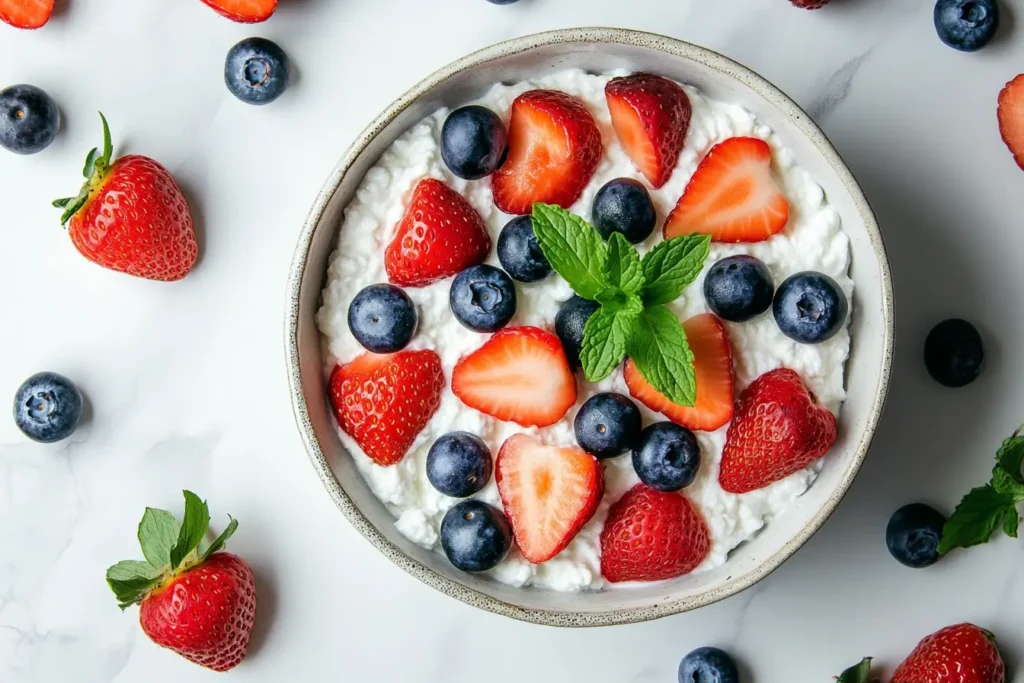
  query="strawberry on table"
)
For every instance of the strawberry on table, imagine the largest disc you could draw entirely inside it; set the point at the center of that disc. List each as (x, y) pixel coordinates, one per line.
(244, 11)
(28, 14)
(962, 653)
(1011, 117)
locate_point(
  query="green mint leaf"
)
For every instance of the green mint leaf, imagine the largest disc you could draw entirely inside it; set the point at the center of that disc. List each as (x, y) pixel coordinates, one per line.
(976, 518)
(605, 338)
(193, 528)
(1010, 458)
(130, 580)
(622, 267)
(672, 265)
(222, 539)
(858, 673)
(572, 247)
(1011, 521)
(1004, 482)
(661, 354)
(158, 532)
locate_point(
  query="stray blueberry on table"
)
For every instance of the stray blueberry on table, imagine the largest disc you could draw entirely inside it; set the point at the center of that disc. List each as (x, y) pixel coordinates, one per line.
(739, 288)
(668, 457)
(913, 535)
(520, 253)
(473, 142)
(607, 425)
(953, 353)
(382, 318)
(569, 325)
(624, 205)
(257, 71)
(47, 407)
(459, 464)
(966, 25)
(475, 536)
(810, 307)
(29, 119)
(483, 298)
(708, 665)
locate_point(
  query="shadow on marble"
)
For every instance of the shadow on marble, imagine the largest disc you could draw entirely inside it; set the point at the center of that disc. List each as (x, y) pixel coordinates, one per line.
(266, 609)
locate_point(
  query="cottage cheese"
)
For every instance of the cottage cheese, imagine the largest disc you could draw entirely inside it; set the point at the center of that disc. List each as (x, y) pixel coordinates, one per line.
(813, 240)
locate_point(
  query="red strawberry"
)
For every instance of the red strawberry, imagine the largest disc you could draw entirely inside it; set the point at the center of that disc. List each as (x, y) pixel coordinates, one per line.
(1011, 117)
(650, 115)
(732, 196)
(519, 375)
(712, 363)
(385, 401)
(244, 11)
(554, 147)
(809, 4)
(652, 536)
(549, 493)
(439, 235)
(131, 217)
(957, 654)
(26, 13)
(778, 430)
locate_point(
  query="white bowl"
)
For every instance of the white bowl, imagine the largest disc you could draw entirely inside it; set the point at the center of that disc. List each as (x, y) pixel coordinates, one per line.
(597, 50)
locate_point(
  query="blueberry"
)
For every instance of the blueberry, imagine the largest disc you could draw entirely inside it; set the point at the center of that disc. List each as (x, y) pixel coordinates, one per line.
(473, 142)
(708, 665)
(913, 534)
(966, 25)
(623, 205)
(569, 323)
(483, 298)
(382, 318)
(459, 464)
(475, 536)
(48, 407)
(739, 288)
(607, 425)
(668, 457)
(520, 253)
(953, 353)
(810, 307)
(29, 119)
(257, 71)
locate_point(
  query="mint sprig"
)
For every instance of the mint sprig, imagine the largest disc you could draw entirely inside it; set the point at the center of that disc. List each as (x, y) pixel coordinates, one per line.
(632, 292)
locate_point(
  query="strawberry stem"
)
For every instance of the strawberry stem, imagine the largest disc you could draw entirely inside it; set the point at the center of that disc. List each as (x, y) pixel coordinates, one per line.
(94, 170)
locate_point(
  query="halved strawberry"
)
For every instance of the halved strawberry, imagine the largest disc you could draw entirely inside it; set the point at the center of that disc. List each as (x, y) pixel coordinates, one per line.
(712, 364)
(26, 13)
(549, 493)
(554, 147)
(244, 11)
(650, 115)
(520, 375)
(732, 196)
(1011, 117)
(439, 235)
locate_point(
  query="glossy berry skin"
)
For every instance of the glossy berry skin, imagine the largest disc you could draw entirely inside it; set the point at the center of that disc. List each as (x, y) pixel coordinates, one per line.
(708, 665)
(483, 298)
(810, 307)
(47, 407)
(459, 464)
(913, 535)
(520, 253)
(29, 119)
(739, 288)
(569, 325)
(607, 425)
(966, 25)
(257, 71)
(475, 536)
(382, 318)
(624, 205)
(473, 142)
(962, 653)
(953, 353)
(668, 457)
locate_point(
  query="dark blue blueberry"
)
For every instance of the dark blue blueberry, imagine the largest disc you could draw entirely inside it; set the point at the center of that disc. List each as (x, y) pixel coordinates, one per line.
(810, 307)
(668, 457)
(29, 119)
(475, 536)
(953, 353)
(257, 71)
(913, 534)
(382, 318)
(483, 298)
(520, 253)
(739, 288)
(623, 205)
(48, 407)
(708, 665)
(473, 142)
(966, 25)
(459, 464)
(607, 425)
(569, 323)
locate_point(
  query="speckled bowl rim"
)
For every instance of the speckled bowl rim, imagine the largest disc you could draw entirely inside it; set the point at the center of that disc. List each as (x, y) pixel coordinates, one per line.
(675, 48)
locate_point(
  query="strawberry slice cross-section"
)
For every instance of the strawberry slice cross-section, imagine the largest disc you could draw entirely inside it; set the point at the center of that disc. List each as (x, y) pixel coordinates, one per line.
(28, 14)
(244, 11)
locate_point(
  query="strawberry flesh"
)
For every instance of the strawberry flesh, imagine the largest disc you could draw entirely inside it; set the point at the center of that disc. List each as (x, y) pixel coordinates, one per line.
(962, 653)
(1011, 117)
(28, 14)
(244, 11)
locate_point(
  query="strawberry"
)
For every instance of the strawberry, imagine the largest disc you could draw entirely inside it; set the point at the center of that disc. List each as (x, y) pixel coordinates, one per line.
(194, 599)
(549, 493)
(652, 536)
(439, 235)
(244, 11)
(130, 216)
(650, 115)
(809, 4)
(732, 196)
(385, 401)
(712, 364)
(554, 147)
(1011, 117)
(962, 653)
(778, 430)
(519, 375)
(26, 13)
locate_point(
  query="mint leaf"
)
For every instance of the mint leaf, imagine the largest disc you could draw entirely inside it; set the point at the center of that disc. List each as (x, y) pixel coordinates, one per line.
(605, 338)
(859, 673)
(622, 267)
(672, 265)
(130, 580)
(193, 529)
(572, 247)
(1010, 457)
(222, 539)
(1010, 522)
(158, 532)
(976, 518)
(661, 354)
(1004, 482)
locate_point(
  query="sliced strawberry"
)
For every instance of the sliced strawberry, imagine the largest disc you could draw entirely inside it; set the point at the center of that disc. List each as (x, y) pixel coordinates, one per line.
(520, 375)
(554, 147)
(549, 493)
(1011, 117)
(26, 13)
(712, 364)
(244, 11)
(650, 115)
(732, 196)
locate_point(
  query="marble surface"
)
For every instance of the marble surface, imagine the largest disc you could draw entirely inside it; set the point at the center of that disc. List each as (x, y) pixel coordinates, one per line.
(186, 383)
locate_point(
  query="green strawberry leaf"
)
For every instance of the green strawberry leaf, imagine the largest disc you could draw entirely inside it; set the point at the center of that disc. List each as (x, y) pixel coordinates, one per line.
(672, 265)
(858, 673)
(158, 532)
(659, 349)
(193, 529)
(605, 338)
(131, 580)
(222, 539)
(573, 248)
(976, 518)
(90, 163)
(622, 267)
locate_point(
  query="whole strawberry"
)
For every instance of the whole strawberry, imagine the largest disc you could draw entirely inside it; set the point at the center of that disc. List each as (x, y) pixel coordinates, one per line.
(194, 599)
(962, 653)
(130, 216)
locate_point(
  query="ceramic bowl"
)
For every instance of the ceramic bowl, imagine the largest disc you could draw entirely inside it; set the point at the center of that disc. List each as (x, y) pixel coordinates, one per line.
(596, 50)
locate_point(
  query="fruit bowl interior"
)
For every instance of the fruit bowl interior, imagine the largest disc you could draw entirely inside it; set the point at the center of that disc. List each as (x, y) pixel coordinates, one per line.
(597, 51)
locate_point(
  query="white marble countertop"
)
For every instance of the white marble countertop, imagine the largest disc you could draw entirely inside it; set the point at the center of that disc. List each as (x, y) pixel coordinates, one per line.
(186, 382)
